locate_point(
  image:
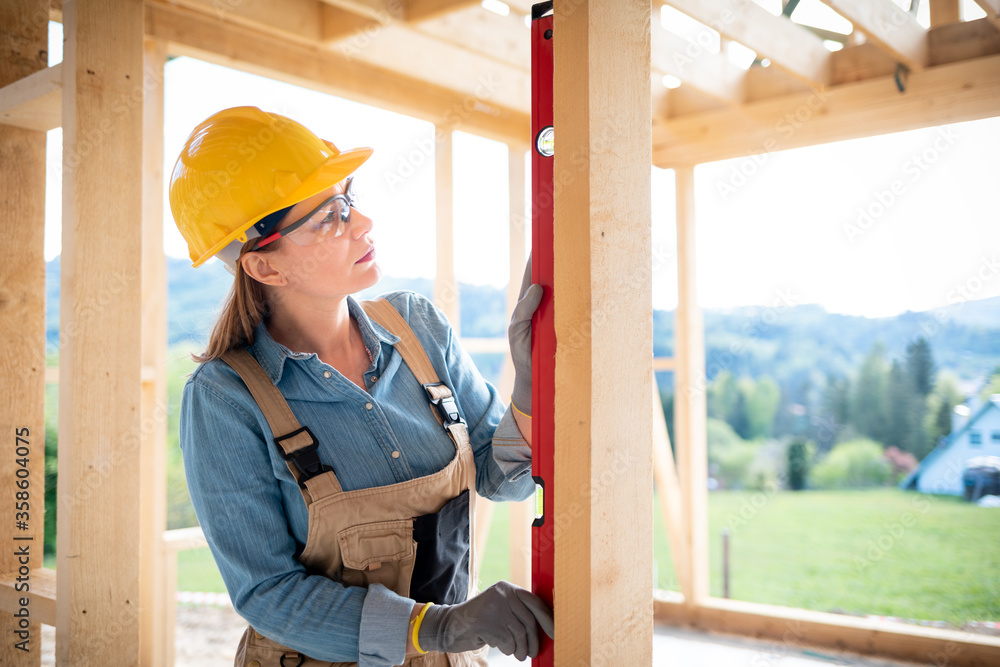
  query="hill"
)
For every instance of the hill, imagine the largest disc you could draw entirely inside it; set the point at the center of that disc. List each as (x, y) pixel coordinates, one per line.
(797, 345)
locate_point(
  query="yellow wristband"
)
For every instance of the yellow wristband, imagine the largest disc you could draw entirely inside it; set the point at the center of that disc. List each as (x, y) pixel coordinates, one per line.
(516, 408)
(416, 627)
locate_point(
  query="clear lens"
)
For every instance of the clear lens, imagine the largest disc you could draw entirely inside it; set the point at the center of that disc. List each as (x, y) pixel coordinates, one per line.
(330, 221)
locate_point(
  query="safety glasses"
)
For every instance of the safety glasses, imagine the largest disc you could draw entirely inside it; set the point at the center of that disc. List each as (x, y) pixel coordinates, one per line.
(328, 220)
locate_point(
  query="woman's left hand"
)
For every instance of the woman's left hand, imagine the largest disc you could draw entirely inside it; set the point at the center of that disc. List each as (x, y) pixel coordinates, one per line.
(519, 337)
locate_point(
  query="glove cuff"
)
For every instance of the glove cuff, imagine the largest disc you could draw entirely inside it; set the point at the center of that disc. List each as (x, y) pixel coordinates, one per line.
(520, 398)
(429, 632)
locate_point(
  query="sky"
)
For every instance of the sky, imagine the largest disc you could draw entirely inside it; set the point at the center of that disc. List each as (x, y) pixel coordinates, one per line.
(870, 227)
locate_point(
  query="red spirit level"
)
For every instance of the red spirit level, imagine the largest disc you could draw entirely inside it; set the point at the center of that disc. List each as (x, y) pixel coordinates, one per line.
(543, 348)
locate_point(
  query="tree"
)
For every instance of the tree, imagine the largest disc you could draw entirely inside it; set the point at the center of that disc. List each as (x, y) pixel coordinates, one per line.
(992, 385)
(868, 408)
(941, 403)
(834, 411)
(905, 412)
(762, 406)
(737, 417)
(798, 465)
(721, 395)
(920, 366)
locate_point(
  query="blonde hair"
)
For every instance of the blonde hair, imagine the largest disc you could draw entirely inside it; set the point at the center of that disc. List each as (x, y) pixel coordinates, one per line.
(245, 307)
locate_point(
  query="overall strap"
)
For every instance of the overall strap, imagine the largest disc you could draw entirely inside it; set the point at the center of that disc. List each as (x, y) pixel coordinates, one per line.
(442, 403)
(298, 444)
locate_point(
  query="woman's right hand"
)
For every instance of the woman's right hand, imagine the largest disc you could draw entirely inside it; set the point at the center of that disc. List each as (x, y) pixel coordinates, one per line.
(504, 615)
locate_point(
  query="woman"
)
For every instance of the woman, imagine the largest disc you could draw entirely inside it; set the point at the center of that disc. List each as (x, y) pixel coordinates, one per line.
(334, 449)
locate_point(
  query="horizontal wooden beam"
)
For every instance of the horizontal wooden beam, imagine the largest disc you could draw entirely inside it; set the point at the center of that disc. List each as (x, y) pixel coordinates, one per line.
(298, 20)
(485, 345)
(992, 9)
(422, 10)
(52, 374)
(182, 539)
(502, 38)
(812, 628)
(375, 9)
(664, 363)
(952, 93)
(889, 26)
(709, 73)
(787, 44)
(206, 37)
(34, 102)
(41, 593)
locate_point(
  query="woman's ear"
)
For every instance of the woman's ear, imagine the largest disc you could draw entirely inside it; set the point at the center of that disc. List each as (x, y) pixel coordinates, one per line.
(258, 267)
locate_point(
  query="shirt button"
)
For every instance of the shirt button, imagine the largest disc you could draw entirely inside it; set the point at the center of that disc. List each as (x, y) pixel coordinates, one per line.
(395, 455)
(327, 374)
(374, 379)
(368, 406)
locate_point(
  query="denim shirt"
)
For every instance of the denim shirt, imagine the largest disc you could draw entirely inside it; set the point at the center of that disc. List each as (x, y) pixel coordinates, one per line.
(251, 508)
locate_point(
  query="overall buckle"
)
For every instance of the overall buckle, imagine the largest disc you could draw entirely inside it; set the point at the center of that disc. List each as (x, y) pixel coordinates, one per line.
(446, 406)
(305, 459)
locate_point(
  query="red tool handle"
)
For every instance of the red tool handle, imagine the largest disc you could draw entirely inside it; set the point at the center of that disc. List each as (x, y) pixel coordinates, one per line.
(543, 347)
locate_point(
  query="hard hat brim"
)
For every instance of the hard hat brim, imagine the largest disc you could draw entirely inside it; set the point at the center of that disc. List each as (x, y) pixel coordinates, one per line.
(331, 172)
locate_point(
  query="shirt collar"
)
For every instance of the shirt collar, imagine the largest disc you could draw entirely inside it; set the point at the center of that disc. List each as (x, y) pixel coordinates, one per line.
(271, 355)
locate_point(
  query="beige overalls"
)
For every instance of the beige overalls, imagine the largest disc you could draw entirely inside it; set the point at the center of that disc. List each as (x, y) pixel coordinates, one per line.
(367, 536)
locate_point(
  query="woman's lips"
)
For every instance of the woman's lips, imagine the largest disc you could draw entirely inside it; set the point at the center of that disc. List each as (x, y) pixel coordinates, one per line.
(368, 256)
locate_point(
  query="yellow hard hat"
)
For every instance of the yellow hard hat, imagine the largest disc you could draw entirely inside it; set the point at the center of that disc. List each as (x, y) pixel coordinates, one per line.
(239, 166)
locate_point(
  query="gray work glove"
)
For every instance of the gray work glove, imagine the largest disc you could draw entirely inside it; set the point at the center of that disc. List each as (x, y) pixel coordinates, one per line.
(504, 615)
(519, 336)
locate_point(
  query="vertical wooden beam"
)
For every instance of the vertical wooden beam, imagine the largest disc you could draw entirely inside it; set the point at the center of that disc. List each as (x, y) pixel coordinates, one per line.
(944, 11)
(668, 486)
(23, 48)
(603, 484)
(445, 285)
(98, 596)
(521, 513)
(689, 397)
(157, 637)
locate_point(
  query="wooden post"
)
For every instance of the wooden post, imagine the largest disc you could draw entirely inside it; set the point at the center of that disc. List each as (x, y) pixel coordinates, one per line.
(665, 474)
(23, 48)
(98, 597)
(157, 636)
(521, 513)
(944, 11)
(602, 295)
(445, 285)
(689, 397)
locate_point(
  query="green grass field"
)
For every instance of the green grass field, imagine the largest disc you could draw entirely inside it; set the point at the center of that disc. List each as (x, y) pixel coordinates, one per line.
(866, 552)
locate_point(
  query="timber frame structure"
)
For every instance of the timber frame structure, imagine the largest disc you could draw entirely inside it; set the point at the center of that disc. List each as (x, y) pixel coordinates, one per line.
(458, 66)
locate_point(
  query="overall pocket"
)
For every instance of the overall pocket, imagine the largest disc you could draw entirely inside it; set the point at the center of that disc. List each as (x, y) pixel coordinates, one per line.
(378, 553)
(441, 570)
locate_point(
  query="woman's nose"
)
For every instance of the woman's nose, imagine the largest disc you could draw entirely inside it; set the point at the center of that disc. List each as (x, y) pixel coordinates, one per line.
(360, 224)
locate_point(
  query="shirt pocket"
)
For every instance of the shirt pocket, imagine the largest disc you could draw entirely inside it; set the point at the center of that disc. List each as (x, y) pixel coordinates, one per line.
(379, 553)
